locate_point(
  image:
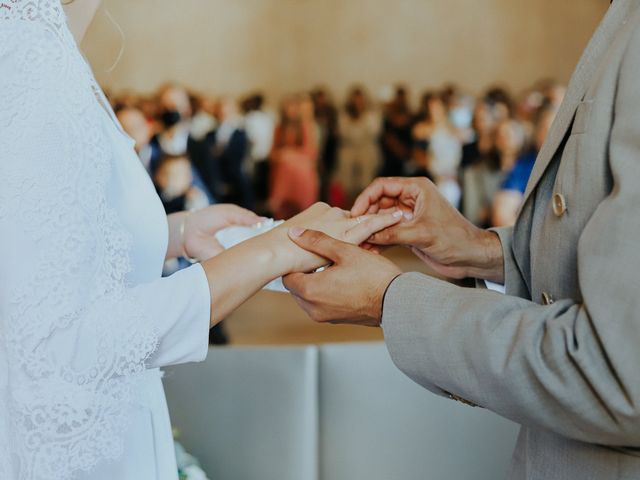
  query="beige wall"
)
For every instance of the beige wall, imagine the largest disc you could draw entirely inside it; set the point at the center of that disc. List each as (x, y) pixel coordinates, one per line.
(232, 46)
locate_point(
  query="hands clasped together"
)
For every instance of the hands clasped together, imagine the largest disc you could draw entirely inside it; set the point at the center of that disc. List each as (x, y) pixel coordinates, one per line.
(352, 289)
(408, 212)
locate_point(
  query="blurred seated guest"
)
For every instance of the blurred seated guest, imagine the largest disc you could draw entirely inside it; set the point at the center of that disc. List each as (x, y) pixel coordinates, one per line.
(508, 200)
(259, 125)
(294, 175)
(396, 135)
(482, 180)
(326, 117)
(140, 130)
(459, 109)
(359, 152)
(175, 115)
(203, 119)
(553, 92)
(176, 137)
(152, 148)
(437, 149)
(501, 102)
(174, 183)
(484, 130)
(227, 150)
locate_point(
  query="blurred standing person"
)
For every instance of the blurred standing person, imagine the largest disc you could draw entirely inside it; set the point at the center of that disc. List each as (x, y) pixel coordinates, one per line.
(501, 102)
(175, 137)
(203, 120)
(396, 135)
(260, 127)
(437, 149)
(553, 92)
(202, 123)
(225, 166)
(326, 116)
(482, 180)
(175, 113)
(307, 115)
(459, 109)
(507, 201)
(359, 152)
(484, 131)
(294, 171)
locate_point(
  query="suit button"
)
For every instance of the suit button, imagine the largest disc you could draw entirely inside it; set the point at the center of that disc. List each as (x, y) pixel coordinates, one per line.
(547, 299)
(559, 204)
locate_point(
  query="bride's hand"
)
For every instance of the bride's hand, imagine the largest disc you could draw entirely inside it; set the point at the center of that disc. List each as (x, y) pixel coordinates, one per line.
(201, 226)
(332, 221)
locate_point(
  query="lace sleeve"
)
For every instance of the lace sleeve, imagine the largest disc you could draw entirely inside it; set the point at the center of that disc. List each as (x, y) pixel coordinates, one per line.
(73, 336)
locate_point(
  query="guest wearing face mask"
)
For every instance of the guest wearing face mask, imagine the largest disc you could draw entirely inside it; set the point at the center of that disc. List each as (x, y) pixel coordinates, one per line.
(175, 138)
(175, 113)
(459, 111)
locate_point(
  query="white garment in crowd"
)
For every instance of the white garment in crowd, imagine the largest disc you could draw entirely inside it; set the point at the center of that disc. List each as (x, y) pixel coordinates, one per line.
(175, 140)
(445, 156)
(85, 317)
(259, 126)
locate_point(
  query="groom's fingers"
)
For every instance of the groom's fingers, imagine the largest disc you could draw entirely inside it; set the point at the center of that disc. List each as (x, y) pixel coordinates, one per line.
(402, 234)
(380, 188)
(296, 283)
(318, 243)
(302, 286)
(365, 226)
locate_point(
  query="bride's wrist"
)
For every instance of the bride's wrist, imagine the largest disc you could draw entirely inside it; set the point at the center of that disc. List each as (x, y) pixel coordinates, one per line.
(278, 249)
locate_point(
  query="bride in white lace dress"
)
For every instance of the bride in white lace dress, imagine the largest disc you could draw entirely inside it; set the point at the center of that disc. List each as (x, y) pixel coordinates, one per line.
(85, 318)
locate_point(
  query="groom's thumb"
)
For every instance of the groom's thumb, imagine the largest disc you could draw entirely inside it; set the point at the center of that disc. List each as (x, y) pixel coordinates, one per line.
(318, 243)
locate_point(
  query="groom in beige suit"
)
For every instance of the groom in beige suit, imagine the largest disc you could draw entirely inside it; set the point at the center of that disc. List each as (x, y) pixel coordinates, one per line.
(560, 353)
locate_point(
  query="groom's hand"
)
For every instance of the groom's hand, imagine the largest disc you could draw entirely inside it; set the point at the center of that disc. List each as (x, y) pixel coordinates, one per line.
(434, 230)
(351, 290)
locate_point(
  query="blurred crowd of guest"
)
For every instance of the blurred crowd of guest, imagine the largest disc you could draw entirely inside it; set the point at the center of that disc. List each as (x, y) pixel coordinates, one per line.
(479, 151)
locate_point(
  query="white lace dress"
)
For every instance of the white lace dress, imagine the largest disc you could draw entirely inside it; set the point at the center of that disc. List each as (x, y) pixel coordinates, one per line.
(85, 317)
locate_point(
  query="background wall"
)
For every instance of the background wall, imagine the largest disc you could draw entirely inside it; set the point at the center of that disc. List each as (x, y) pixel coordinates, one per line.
(222, 46)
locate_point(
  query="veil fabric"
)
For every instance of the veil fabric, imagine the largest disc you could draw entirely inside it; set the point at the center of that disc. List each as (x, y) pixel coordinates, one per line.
(72, 335)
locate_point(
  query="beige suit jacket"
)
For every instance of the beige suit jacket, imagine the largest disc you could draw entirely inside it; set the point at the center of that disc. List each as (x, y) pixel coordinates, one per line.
(560, 353)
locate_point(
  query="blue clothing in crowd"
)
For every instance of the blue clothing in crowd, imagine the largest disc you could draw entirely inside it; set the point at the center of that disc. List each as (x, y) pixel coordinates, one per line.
(519, 176)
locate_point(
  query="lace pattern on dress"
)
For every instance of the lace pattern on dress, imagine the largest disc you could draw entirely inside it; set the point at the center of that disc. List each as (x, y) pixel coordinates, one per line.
(58, 415)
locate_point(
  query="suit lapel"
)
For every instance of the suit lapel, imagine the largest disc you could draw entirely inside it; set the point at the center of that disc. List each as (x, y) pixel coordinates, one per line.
(577, 88)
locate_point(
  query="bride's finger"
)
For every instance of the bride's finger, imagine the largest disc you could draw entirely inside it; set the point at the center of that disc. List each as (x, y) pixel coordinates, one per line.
(366, 225)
